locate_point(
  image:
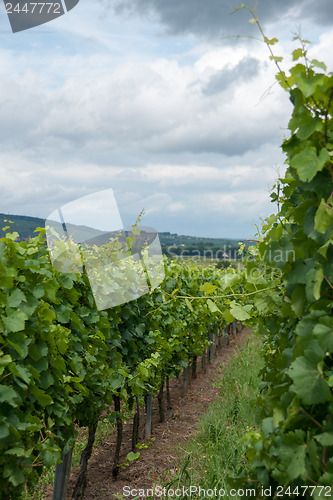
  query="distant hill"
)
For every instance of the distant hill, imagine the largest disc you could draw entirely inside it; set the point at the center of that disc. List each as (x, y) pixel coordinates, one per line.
(24, 225)
(172, 243)
(179, 239)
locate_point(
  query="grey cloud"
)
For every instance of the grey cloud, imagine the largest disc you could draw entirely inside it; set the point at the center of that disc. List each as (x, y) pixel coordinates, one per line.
(245, 70)
(122, 128)
(237, 144)
(210, 18)
(320, 12)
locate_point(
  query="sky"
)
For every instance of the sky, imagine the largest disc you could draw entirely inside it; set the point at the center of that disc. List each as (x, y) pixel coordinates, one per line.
(172, 104)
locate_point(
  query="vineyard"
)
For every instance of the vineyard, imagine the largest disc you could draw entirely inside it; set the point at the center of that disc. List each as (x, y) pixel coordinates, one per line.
(64, 363)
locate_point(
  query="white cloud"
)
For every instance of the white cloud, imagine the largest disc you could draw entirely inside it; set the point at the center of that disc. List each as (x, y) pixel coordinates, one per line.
(323, 50)
(100, 103)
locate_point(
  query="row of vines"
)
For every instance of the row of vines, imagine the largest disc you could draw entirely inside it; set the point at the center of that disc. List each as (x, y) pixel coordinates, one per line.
(63, 363)
(293, 450)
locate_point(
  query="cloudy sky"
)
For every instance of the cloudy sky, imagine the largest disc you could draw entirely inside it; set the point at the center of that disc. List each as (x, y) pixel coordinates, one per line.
(171, 103)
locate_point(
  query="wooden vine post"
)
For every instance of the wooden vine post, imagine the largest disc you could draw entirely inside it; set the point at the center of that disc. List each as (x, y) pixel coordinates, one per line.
(61, 476)
(194, 367)
(85, 456)
(211, 347)
(169, 406)
(226, 335)
(119, 424)
(204, 361)
(185, 380)
(149, 409)
(136, 425)
(160, 401)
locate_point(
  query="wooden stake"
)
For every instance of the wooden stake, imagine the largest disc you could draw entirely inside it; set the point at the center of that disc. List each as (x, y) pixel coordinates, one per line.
(81, 482)
(194, 367)
(149, 408)
(119, 422)
(136, 425)
(185, 380)
(211, 348)
(62, 476)
(160, 401)
(169, 406)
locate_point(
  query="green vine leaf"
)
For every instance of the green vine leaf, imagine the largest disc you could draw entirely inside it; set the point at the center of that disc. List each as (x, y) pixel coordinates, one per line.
(297, 53)
(213, 307)
(271, 41)
(323, 217)
(307, 163)
(132, 457)
(276, 58)
(318, 64)
(189, 305)
(318, 279)
(208, 288)
(8, 395)
(325, 439)
(309, 383)
(239, 312)
(308, 85)
(15, 322)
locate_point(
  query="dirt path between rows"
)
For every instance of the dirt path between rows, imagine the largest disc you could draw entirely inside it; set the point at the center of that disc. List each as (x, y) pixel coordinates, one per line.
(179, 425)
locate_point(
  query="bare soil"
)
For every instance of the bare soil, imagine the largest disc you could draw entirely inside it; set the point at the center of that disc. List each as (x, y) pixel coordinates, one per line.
(179, 425)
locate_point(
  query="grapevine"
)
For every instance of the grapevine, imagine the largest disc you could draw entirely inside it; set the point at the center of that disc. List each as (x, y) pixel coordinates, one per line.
(63, 363)
(294, 447)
